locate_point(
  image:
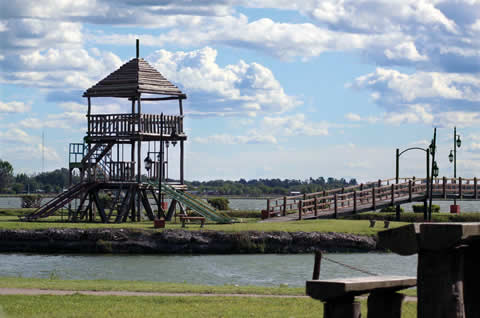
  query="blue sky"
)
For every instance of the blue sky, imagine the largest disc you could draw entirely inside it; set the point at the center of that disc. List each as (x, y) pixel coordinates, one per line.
(288, 89)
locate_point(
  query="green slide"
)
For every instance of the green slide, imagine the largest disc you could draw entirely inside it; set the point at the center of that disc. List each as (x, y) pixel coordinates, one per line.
(195, 204)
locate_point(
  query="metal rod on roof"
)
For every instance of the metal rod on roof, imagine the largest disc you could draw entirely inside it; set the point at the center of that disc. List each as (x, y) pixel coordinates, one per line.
(138, 48)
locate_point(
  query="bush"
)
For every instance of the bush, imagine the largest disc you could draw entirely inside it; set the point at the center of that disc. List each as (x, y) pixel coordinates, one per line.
(31, 200)
(105, 200)
(219, 203)
(418, 208)
(391, 209)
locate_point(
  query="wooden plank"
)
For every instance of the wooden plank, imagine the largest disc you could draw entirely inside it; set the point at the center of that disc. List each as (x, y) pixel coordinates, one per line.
(334, 288)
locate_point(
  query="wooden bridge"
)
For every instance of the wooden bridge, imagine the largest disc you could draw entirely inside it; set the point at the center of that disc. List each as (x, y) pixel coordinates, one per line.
(369, 196)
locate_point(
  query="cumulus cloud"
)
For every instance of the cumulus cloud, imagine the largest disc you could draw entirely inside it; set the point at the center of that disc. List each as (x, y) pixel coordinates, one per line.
(242, 88)
(14, 107)
(295, 125)
(226, 139)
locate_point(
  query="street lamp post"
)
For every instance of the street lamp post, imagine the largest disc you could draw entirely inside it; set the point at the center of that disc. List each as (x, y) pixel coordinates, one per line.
(435, 170)
(397, 176)
(453, 158)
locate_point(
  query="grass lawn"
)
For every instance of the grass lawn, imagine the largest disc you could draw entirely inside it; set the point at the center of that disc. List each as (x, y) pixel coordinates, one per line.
(120, 306)
(343, 226)
(143, 286)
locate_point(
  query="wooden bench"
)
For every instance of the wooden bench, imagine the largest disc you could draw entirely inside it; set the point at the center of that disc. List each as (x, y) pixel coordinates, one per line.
(192, 218)
(338, 295)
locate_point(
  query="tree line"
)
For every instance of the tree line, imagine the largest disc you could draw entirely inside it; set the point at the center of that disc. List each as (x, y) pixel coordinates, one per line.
(57, 180)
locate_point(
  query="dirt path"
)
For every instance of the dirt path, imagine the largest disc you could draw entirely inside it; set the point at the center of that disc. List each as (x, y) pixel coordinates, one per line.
(34, 291)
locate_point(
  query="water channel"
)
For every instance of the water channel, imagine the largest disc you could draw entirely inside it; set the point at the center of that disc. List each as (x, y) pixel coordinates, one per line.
(259, 204)
(257, 269)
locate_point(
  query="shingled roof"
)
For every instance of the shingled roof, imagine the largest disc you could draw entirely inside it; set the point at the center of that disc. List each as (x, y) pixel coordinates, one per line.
(131, 79)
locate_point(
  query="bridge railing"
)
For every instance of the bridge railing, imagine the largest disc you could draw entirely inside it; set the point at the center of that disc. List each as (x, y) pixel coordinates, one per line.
(370, 195)
(282, 206)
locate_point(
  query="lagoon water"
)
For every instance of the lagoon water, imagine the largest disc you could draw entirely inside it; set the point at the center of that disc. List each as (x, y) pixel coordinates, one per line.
(259, 204)
(258, 269)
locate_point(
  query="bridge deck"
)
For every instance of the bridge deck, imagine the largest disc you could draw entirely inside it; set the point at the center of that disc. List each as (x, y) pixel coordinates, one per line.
(367, 197)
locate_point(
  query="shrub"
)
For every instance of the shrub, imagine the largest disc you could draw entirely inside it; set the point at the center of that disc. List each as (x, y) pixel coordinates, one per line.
(391, 209)
(418, 208)
(105, 200)
(219, 203)
(31, 200)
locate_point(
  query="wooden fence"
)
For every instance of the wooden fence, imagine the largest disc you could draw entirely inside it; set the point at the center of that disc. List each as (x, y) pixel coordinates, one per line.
(370, 196)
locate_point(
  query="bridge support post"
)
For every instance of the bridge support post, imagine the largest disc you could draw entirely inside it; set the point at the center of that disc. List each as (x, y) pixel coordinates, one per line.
(284, 206)
(460, 195)
(335, 205)
(268, 209)
(315, 202)
(374, 205)
(300, 205)
(444, 188)
(410, 190)
(355, 201)
(475, 187)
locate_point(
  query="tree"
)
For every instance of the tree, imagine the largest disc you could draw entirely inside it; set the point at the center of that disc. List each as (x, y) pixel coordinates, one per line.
(6, 174)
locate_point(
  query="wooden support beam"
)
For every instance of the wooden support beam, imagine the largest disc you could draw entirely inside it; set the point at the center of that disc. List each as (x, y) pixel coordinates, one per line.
(268, 208)
(100, 207)
(444, 187)
(393, 194)
(317, 264)
(146, 205)
(315, 202)
(284, 206)
(410, 190)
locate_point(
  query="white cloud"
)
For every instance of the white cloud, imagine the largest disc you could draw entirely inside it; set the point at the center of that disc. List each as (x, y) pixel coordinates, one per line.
(233, 89)
(295, 125)
(358, 118)
(16, 135)
(406, 50)
(14, 107)
(226, 139)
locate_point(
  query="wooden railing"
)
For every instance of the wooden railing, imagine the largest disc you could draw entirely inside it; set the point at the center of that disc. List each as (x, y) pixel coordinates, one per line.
(370, 196)
(131, 124)
(121, 170)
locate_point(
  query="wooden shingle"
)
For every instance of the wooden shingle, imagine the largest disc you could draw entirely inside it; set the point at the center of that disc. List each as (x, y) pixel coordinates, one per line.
(133, 78)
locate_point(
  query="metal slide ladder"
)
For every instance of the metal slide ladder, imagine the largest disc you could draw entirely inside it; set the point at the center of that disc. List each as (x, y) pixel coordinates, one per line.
(195, 204)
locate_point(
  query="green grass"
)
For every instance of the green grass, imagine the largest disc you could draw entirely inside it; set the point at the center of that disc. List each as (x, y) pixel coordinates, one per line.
(360, 227)
(122, 306)
(143, 286)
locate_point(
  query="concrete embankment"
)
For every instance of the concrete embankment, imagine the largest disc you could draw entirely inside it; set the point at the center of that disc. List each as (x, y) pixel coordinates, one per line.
(178, 241)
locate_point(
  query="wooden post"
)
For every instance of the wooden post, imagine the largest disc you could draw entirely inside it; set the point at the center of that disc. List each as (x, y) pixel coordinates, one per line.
(385, 304)
(284, 206)
(374, 204)
(354, 201)
(335, 205)
(471, 280)
(393, 194)
(410, 190)
(182, 160)
(475, 187)
(460, 188)
(268, 208)
(440, 277)
(300, 204)
(342, 307)
(379, 183)
(317, 264)
(444, 186)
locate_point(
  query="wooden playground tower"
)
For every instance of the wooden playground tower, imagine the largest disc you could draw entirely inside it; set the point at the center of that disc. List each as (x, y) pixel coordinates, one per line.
(110, 159)
(107, 165)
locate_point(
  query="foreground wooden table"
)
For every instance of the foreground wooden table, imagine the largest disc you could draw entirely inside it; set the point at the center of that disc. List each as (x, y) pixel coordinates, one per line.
(448, 266)
(339, 295)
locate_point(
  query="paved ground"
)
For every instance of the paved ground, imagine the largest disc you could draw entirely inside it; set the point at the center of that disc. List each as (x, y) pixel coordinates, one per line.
(25, 291)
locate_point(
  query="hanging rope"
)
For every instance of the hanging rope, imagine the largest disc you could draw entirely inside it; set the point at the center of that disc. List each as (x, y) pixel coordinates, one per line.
(349, 266)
